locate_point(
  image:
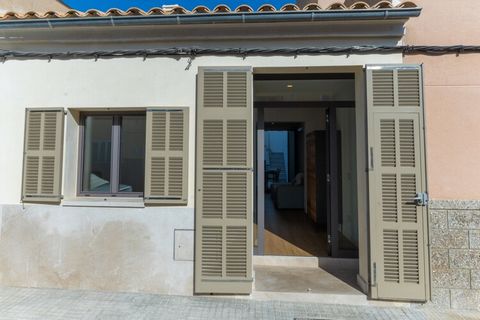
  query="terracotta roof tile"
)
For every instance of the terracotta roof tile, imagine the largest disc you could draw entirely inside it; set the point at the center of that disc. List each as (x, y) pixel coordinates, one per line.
(178, 10)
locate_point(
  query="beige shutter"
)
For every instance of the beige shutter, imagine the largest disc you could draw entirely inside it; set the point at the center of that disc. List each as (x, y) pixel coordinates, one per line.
(224, 206)
(398, 236)
(166, 158)
(43, 156)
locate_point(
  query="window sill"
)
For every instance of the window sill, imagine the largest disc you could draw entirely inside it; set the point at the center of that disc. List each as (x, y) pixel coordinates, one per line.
(104, 202)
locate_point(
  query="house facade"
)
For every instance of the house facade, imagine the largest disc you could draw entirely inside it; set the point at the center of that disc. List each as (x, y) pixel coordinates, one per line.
(132, 147)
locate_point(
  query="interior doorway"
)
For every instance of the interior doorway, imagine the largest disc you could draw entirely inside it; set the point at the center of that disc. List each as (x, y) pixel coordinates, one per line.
(288, 231)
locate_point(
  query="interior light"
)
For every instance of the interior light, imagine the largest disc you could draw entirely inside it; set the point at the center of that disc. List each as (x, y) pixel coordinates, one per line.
(289, 85)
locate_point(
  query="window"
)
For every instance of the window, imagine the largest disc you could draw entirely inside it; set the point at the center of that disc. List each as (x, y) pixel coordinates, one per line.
(112, 154)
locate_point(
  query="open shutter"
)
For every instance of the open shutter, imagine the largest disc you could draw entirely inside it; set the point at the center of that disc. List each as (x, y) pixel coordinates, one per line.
(398, 233)
(224, 205)
(43, 156)
(166, 159)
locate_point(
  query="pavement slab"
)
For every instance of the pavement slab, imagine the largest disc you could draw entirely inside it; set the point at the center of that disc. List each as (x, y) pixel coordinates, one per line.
(46, 304)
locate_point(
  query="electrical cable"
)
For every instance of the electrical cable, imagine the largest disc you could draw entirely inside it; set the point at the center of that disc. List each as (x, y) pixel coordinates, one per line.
(242, 52)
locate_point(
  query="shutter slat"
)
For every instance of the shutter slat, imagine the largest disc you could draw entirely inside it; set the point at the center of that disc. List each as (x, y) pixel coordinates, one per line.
(157, 174)
(407, 142)
(410, 257)
(236, 251)
(48, 175)
(34, 127)
(213, 90)
(383, 86)
(212, 201)
(213, 142)
(389, 197)
(237, 90)
(212, 251)
(392, 256)
(159, 131)
(409, 190)
(176, 131)
(237, 193)
(175, 177)
(408, 88)
(237, 143)
(50, 131)
(31, 178)
(387, 143)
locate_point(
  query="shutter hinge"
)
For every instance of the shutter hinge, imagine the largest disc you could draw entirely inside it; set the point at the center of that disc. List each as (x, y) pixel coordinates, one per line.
(328, 177)
(374, 274)
(329, 239)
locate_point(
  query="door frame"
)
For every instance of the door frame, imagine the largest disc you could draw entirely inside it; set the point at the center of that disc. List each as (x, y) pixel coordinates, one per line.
(334, 191)
(364, 274)
(259, 135)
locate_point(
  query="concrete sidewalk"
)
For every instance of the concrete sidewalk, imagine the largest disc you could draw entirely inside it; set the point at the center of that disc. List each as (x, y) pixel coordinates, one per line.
(17, 303)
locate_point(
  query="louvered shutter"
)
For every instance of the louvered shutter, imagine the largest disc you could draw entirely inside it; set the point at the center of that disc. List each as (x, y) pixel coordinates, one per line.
(397, 173)
(43, 156)
(166, 158)
(224, 205)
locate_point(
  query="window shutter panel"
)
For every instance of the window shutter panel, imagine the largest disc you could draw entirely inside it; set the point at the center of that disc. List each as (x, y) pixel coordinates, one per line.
(166, 160)
(224, 238)
(397, 173)
(43, 156)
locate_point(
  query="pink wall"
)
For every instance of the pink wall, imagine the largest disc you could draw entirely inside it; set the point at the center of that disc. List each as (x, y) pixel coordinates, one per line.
(452, 96)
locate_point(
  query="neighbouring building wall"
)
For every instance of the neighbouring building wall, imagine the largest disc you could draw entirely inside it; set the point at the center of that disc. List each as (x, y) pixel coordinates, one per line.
(452, 106)
(452, 95)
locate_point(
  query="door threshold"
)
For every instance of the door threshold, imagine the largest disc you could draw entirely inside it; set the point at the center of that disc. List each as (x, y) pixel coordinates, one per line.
(324, 279)
(286, 261)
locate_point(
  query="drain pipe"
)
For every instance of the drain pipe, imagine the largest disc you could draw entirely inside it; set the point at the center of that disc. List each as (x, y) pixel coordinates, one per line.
(216, 18)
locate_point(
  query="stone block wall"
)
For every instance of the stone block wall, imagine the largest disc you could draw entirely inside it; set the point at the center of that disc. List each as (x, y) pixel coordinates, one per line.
(455, 253)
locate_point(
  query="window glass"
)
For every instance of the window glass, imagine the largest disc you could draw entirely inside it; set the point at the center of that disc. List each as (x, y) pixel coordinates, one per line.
(97, 154)
(132, 153)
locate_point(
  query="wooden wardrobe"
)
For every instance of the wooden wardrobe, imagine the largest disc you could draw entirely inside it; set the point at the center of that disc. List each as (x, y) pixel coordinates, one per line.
(316, 178)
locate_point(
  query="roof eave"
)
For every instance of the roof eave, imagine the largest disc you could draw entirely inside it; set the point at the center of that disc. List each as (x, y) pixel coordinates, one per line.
(216, 18)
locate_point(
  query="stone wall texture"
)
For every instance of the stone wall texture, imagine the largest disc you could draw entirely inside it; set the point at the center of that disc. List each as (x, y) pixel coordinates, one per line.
(455, 253)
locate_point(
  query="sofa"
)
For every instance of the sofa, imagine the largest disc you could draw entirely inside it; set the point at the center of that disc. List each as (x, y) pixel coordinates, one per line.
(289, 195)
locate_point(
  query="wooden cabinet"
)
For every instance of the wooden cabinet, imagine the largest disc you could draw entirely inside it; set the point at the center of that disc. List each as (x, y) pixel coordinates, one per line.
(317, 181)
(316, 178)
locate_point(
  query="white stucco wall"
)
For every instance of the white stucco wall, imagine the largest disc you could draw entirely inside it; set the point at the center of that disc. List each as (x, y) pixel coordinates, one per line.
(94, 246)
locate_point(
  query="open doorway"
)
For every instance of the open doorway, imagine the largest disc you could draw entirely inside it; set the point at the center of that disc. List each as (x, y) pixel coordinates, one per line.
(309, 164)
(306, 152)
